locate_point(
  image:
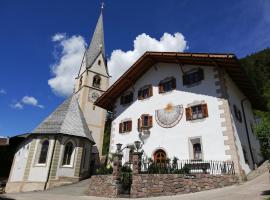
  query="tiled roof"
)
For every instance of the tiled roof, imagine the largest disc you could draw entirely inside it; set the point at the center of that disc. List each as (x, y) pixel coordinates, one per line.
(66, 119)
(229, 62)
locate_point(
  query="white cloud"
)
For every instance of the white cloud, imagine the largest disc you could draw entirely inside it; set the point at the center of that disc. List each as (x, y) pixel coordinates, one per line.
(67, 65)
(17, 105)
(2, 91)
(120, 60)
(58, 37)
(28, 100)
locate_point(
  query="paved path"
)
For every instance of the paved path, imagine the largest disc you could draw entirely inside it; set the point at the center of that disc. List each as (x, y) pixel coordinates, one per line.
(256, 189)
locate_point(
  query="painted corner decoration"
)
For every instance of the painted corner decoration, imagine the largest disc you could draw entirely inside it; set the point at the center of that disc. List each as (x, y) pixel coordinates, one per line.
(170, 116)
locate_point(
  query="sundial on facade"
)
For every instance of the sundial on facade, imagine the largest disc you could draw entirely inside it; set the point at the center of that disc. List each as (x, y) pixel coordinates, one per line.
(169, 116)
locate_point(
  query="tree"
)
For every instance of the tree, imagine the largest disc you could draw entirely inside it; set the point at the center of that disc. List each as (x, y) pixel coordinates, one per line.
(262, 131)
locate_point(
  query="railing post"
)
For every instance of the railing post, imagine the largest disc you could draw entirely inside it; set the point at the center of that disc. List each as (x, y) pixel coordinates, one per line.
(136, 162)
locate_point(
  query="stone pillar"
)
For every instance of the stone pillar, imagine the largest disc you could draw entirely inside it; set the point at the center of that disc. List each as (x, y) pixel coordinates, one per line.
(117, 165)
(136, 161)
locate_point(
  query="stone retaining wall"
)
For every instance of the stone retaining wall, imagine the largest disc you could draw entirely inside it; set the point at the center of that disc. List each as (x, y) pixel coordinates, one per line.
(146, 185)
(103, 186)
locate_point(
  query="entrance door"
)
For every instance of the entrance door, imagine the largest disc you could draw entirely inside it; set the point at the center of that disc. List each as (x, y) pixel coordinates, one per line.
(160, 156)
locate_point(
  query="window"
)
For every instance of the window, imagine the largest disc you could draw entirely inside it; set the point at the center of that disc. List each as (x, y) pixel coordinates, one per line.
(145, 92)
(167, 85)
(99, 62)
(68, 153)
(237, 113)
(197, 151)
(125, 126)
(126, 98)
(193, 77)
(43, 152)
(96, 81)
(145, 122)
(195, 148)
(160, 156)
(196, 112)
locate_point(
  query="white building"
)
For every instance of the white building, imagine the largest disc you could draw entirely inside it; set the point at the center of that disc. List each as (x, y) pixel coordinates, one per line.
(192, 106)
(66, 146)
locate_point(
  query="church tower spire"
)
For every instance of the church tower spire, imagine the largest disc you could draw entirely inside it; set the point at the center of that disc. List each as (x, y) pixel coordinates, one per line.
(97, 44)
(91, 82)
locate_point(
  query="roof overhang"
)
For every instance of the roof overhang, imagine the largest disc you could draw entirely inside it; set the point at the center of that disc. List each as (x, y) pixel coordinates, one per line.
(227, 61)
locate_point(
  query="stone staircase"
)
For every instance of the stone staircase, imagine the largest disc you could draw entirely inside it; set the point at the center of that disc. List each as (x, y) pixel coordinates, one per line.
(260, 170)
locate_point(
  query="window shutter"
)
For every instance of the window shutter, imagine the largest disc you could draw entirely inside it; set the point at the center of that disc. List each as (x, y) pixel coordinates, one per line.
(120, 128)
(173, 83)
(150, 121)
(129, 125)
(188, 114)
(139, 124)
(122, 100)
(201, 75)
(150, 91)
(185, 79)
(140, 94)
(205, 110)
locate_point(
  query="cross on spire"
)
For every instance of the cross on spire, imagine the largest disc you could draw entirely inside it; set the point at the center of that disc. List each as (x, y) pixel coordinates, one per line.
(102, 5)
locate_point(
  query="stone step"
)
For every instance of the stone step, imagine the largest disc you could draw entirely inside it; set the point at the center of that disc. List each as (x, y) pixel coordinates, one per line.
(260, 170)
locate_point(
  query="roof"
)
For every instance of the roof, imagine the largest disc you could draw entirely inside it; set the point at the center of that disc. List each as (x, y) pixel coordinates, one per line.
(228, 61)
(67, 119)
(97, 44)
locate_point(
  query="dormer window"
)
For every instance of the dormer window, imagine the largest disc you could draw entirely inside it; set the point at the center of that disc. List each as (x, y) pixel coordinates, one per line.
(196, 112)
(167, 85)
(96, 81)
(145, 92)
(126, 98)
(192, 77)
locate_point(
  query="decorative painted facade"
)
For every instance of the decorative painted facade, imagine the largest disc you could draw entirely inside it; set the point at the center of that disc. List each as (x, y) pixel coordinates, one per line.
(183, 105)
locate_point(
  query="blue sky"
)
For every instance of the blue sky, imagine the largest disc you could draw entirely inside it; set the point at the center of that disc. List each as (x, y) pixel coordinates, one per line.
(28, 53)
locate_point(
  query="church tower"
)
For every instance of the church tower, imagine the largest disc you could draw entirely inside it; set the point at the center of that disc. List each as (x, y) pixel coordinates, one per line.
(91, 82)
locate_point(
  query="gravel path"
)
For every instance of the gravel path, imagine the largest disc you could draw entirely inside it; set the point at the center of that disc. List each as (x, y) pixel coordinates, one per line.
(257, 189)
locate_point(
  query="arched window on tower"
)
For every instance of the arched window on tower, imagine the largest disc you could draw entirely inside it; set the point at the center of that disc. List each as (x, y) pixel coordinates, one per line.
(96, 81)
(43, 152)
(68, 154)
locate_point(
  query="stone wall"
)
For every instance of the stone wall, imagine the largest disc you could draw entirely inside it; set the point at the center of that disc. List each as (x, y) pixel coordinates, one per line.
(103, 186)
(146, 185)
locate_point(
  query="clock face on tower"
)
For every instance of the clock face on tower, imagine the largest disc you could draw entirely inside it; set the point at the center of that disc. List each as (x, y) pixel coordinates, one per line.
(93, 95)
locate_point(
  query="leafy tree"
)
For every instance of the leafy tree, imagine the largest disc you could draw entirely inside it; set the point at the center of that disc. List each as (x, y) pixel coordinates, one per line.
(263, 133)
(257, 66)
